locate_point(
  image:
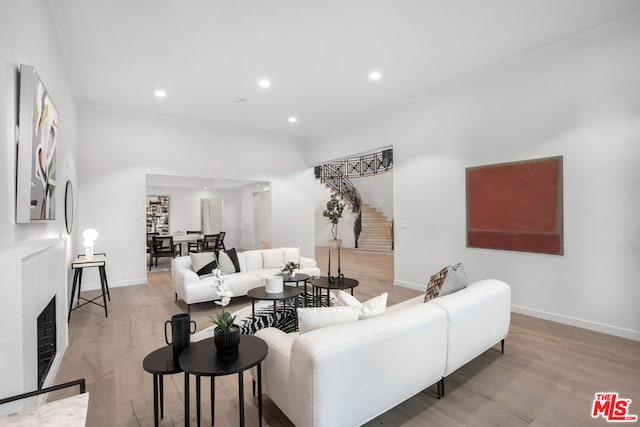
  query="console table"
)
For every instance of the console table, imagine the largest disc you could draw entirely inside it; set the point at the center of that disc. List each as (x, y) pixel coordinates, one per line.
(99, 261)
(201, 359)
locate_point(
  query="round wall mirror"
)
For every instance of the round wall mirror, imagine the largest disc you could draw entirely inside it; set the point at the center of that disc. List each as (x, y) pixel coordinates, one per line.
(68, 207)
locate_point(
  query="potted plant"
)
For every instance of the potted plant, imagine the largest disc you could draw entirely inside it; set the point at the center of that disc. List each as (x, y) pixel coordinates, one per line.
(290, 268)
(226, 335)
(334, 212)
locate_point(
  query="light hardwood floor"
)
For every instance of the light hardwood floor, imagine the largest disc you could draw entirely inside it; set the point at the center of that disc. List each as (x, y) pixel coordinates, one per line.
(547, 376)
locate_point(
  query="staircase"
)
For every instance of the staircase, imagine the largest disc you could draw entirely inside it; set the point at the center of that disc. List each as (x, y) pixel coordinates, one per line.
(376, 230)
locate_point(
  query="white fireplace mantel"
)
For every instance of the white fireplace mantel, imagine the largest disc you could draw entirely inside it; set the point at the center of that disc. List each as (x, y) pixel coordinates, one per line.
(31, 273)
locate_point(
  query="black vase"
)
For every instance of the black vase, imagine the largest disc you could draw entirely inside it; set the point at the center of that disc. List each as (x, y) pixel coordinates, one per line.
(227, 342)
(180, 330)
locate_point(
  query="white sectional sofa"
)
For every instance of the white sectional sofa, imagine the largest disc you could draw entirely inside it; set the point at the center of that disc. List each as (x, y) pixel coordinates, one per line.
(255, 265)
(347, 374)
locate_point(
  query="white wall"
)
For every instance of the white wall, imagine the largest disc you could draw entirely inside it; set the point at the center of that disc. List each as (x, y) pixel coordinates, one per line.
(580, 100)
(27, 36)
(120, 148)
(377, 191)
(184, 209)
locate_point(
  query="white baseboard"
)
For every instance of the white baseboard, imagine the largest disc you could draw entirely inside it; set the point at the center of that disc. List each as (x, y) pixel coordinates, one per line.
(580, 323)
(410, 285)
(554, 317)
(92, 286)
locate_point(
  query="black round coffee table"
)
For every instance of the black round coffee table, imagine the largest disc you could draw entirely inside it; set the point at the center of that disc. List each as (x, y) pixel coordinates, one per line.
(260, 293)
(201, 359)
(323, 282)
(160, 362)
(299, 277)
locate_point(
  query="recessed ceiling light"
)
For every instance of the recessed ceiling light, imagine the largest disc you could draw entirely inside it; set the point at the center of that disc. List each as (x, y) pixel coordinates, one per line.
(160, 93)
(293, 119)
(375, 75)
(264, 83)
(206, 188)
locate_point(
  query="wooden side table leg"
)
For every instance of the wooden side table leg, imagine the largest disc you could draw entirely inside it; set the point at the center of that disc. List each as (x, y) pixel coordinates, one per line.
(155, 400)
(213, 397)
(241, 397)
(161, 381)
(260, 394)
(73, 291)
(186, 400)
(198, 400)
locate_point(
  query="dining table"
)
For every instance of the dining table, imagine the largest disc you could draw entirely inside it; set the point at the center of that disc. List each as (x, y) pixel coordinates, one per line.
(185, 239)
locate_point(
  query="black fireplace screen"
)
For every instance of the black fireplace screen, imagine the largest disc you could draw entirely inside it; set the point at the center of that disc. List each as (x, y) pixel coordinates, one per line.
(46, 340)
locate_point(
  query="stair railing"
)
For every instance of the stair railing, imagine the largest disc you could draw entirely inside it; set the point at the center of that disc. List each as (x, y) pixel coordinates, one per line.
(332, 175)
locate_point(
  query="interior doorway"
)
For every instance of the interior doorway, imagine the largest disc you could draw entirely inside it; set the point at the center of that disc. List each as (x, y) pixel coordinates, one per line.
(211, 216)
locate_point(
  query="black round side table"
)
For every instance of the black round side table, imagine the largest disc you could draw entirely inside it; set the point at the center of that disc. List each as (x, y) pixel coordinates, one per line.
(201, 359)
(160, 362)
(260, 293)
(299, 277)
(323, 282)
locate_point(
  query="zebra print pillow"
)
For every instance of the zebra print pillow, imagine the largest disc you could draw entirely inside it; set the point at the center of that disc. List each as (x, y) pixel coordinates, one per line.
(265, 318)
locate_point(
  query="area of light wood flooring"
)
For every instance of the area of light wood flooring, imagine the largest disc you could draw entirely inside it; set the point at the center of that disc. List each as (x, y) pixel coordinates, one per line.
(547, 376)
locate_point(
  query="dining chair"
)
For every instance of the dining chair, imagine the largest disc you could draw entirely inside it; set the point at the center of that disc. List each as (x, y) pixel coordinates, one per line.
(220, 244)
(163, 246)
(194, 246)
(210, 242)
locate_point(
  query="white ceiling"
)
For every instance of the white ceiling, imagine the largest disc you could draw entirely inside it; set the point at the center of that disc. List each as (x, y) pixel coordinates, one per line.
(317, 53)
(155, 180)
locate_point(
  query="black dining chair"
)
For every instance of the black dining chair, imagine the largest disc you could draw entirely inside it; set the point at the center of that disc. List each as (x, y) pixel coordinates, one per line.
(194, 246)
(163, 246)
(210, 242)
(220, 244)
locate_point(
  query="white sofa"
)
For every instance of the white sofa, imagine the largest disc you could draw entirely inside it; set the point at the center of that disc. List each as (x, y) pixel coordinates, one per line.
(347, 374)
(192, 289)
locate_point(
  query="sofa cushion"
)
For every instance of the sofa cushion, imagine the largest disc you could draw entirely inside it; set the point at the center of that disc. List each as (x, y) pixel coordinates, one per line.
(310, 318)
(454, 277)
(203, 263)
(291, 255)
(231, 257)
(272, 258)
(370, 308)
(226, 265)
(253, 260)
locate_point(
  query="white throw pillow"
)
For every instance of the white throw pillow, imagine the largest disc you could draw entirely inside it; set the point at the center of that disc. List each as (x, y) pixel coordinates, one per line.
(311, 318)
(291, 255)
(456, 280)
(371, 308)
(272, 258)
(225, 264)
(203, 263)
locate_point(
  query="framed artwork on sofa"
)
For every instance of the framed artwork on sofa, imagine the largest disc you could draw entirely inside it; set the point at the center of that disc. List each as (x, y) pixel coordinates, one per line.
(516, 206)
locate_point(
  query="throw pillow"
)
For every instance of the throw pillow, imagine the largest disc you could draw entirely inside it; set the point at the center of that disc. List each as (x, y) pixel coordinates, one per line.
(456, 280)
(225, 263)
(272, 258)
(311, 318)
(437, 282)
(203, 262)
(233, 256)
(370, 308)
(291, 255)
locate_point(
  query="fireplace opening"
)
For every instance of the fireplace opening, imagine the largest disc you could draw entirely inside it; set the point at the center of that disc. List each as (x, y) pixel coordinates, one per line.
(46, 325)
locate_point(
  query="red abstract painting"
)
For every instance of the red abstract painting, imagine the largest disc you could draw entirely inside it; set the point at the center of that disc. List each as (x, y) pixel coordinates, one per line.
(516, 206)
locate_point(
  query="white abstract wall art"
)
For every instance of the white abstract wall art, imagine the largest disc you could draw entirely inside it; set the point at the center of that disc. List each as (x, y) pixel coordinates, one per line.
(37, 150)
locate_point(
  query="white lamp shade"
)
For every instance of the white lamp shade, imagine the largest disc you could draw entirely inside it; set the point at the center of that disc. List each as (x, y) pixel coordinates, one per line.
(90, 234)
(87, 243)
(274, 285)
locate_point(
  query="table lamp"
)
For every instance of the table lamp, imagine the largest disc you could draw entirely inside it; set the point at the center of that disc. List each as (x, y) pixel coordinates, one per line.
(89, 235)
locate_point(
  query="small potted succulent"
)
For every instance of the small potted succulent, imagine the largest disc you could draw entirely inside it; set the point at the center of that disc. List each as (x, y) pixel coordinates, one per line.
(334, 213)
(226, 335)
(290, 268)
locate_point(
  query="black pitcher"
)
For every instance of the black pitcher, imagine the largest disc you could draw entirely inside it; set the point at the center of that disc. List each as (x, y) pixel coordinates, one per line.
(180, 330)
